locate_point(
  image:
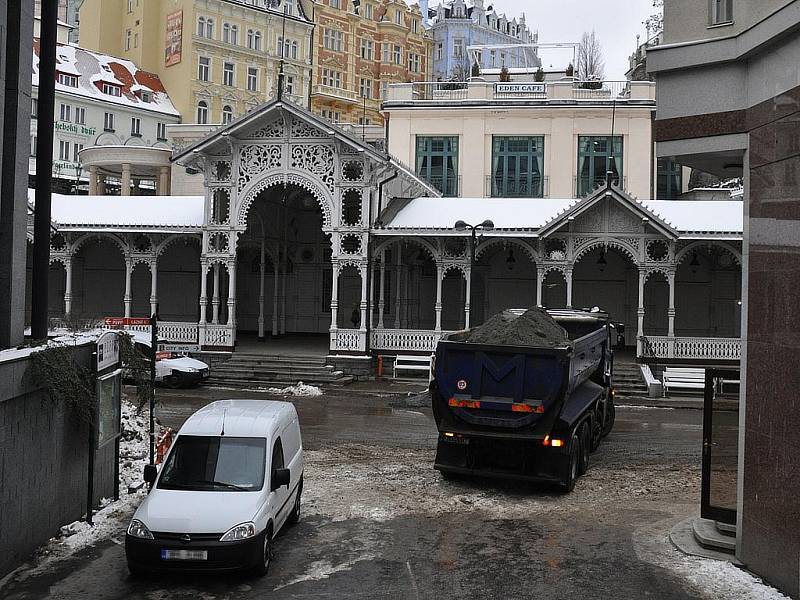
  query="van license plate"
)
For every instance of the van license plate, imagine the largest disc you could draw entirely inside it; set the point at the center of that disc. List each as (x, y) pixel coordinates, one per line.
(184, 554)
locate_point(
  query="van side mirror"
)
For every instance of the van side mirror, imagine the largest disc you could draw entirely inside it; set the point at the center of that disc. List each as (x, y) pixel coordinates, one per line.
(280, 478)
(150, 473)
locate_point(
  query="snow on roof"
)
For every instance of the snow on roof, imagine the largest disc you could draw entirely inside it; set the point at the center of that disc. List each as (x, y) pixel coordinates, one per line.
(92, 68)
(686, 216)
(126, 212)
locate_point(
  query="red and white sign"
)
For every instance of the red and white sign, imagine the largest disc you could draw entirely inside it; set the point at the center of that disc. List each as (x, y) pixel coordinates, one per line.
(123, 321)
(163, 355)
(461, 384)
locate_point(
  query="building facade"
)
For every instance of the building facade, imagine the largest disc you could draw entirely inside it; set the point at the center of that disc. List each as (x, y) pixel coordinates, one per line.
(543, 140)
(728, 90)
(359, 54)
(218, 59)
(456, 25)
(102, 100)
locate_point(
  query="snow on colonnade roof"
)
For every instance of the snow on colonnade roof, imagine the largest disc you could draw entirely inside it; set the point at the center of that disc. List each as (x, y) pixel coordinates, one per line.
(685, 216)
(93, 68)
(126, 212)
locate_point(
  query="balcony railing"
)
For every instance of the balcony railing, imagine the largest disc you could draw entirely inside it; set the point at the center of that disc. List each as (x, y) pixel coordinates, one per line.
(601, 90)
(408, 340)
(336, 92)
(499, 187)
(449, 186)
(583, 186)
(691, 348)
(439, 90)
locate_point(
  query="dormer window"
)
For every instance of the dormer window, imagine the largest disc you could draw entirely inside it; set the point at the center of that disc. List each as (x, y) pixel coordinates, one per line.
(68, 80)
(146, 96)
(111, 89)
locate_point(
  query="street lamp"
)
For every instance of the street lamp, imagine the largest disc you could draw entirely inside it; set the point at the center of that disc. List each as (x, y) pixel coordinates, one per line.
(460, 225)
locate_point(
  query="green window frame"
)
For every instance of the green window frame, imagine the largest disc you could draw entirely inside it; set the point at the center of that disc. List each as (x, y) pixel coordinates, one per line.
(595, 158)
(669, 182)
(437, 162)
(517, 166)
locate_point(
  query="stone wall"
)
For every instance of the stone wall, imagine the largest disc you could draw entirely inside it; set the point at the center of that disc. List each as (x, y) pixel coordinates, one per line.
(43, 463)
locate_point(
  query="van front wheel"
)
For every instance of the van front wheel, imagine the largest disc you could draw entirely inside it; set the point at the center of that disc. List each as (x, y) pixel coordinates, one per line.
(266, 554)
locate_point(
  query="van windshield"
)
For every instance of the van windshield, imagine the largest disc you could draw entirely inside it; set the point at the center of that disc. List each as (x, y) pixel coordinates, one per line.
(214, 463)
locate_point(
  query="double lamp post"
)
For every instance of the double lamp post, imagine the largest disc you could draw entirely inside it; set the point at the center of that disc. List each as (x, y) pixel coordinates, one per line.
(460, 225)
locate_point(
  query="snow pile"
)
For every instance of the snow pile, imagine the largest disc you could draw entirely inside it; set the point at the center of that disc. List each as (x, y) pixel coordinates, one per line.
(301, 389)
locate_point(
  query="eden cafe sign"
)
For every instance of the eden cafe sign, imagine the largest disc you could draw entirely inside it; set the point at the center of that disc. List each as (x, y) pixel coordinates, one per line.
(74, 128)
(519, 88)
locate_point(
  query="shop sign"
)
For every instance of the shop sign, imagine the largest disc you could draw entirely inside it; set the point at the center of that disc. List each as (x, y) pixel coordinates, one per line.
(519, 88)
(174, 39)
(74, 129)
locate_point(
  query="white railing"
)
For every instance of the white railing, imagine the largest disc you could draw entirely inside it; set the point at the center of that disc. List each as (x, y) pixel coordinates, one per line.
(168, 331)
(216, 335)
(349, 340)
(696, 348)
(421, 340)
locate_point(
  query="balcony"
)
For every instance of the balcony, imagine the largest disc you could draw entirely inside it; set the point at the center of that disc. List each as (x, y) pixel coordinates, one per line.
(476, 92)
(499, 187)
(336, 92)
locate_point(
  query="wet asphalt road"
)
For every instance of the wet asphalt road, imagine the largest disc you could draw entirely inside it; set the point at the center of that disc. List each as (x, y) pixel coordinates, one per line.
(507, 542)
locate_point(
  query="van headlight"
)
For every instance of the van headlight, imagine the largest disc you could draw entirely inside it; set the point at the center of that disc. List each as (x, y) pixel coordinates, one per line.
(239, 532)
(138, 529)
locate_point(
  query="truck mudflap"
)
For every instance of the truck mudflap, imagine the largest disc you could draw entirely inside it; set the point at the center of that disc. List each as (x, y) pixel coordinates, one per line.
(501, 458)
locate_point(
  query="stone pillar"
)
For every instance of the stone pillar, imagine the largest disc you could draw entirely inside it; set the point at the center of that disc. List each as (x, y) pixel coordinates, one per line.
(153, 287)
(261, 335)
(125, 182)
(68, 288)
(539, 285)
(203, 291)
(438, 306)
(276, 282)
(382, 290)
(467, 298)
(568, 277)
(640, 314)
(101, 185)
(397, 291)
(163, 182)
(136, 183)
(215, 296)
(335, 297)
(232, 293)
(128, 297)
(93, 181)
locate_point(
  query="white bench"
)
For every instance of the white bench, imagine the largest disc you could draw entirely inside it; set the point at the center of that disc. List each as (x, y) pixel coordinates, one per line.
(683, 379)
(413, 363)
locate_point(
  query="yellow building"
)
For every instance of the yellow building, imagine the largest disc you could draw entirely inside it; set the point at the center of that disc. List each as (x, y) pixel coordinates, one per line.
(217, 58)
(357, 56)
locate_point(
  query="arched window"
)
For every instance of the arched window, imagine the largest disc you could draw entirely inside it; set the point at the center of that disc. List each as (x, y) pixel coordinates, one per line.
(226, 33)
(202, 112)
(235, 35)
(294, 50)
(257, 38)
(280, 47)
(201, 26)
(227, 114)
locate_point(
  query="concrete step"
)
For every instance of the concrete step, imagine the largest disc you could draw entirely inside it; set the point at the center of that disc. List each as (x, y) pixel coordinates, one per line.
(240, 384)
(274, 376)
(709, 536)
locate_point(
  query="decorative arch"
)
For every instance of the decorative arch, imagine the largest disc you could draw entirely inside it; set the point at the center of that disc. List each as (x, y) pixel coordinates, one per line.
(684, 252)
(343, 263)
(323, 198)
(269, 251)
(624, 248)
(159, 249)
(454, 267)
(550, 268)
(665, 271)
(59, 259)
(116, 240)
(421, 242)
(529, 251)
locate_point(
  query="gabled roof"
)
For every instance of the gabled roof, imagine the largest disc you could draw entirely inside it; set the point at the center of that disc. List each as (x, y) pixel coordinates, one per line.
(262, 114)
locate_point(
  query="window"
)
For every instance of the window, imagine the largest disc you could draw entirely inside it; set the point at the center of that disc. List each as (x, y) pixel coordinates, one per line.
(203, 68)
(517, 167)
(333, 39)
(33, 145)
(365, 88)
(384, 89)
(331, 78)
(493, 58)
(288, 7)
(127, 39)
(334, 3)
(205, 27)
(670, 179)
(226, 33)
(227, 114)
(293, 53)
(108, 121)
(289, 84)
(414, 62)
(65, 112)
(595, 157)
(277, 462)
(63, 150)
(111, 89)
(68, 80)
(367, 49)
(458, 47)
(202, 112)
(363, 121)
(332, 115)
(235, 35)
(502, 59)
(34, 108)
(253, 39)
(80, 115)
(130, 6)
(227, 73)
(368, 11)
(414, 25)
(136, 127)
(136, 40)
(439, 50)
(397, 55)
(252, 79)
(146, 97)
(76, 148)
(398, 17)
(386, 49)
(161, 131)
(437, 162)
(720, 11)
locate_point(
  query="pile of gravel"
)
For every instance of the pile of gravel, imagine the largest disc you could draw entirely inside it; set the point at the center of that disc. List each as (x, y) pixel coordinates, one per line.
(533, 328)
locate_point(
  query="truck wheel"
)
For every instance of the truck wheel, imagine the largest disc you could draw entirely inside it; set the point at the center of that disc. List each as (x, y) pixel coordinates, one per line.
(571, 475)
(172, 381)
(610, 417)
(597, 427)
(585, 438)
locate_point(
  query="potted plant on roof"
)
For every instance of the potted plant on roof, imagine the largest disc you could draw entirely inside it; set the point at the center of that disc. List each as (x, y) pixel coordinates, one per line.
(505, 76)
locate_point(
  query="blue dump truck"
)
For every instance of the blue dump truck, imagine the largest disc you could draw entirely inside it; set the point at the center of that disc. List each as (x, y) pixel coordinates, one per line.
(532, 407)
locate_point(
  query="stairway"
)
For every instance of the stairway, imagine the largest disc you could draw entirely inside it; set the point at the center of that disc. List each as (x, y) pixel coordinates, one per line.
(244, 370)
(628, 382)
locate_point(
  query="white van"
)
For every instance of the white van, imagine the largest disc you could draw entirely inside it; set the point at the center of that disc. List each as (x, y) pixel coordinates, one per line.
(233, 477)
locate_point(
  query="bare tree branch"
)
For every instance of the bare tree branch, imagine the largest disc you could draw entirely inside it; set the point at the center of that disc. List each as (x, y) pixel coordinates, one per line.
(591, 66)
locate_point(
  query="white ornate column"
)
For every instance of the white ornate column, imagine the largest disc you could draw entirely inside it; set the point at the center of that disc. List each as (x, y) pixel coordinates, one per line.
(232, 293)
(154, 286)
(468, 293)
(438, 306)
(203, 292)
(568, 278)
(397, 291)
(334, 299)
(539, 285)
(215, 296)
(640, 314)
(261, 268)
(671, 315)
(275, 284)
(382, 290)
(68, 288)
(362, 329)
(283, 296)
(127, 297)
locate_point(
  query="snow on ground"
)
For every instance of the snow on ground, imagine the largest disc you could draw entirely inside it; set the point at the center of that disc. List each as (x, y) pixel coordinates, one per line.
(301, 389)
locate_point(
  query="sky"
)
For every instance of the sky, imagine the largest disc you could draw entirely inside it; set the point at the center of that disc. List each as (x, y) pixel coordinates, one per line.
(616, 23)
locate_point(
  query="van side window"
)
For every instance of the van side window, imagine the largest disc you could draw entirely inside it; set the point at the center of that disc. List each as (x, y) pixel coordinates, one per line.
(277, 458)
